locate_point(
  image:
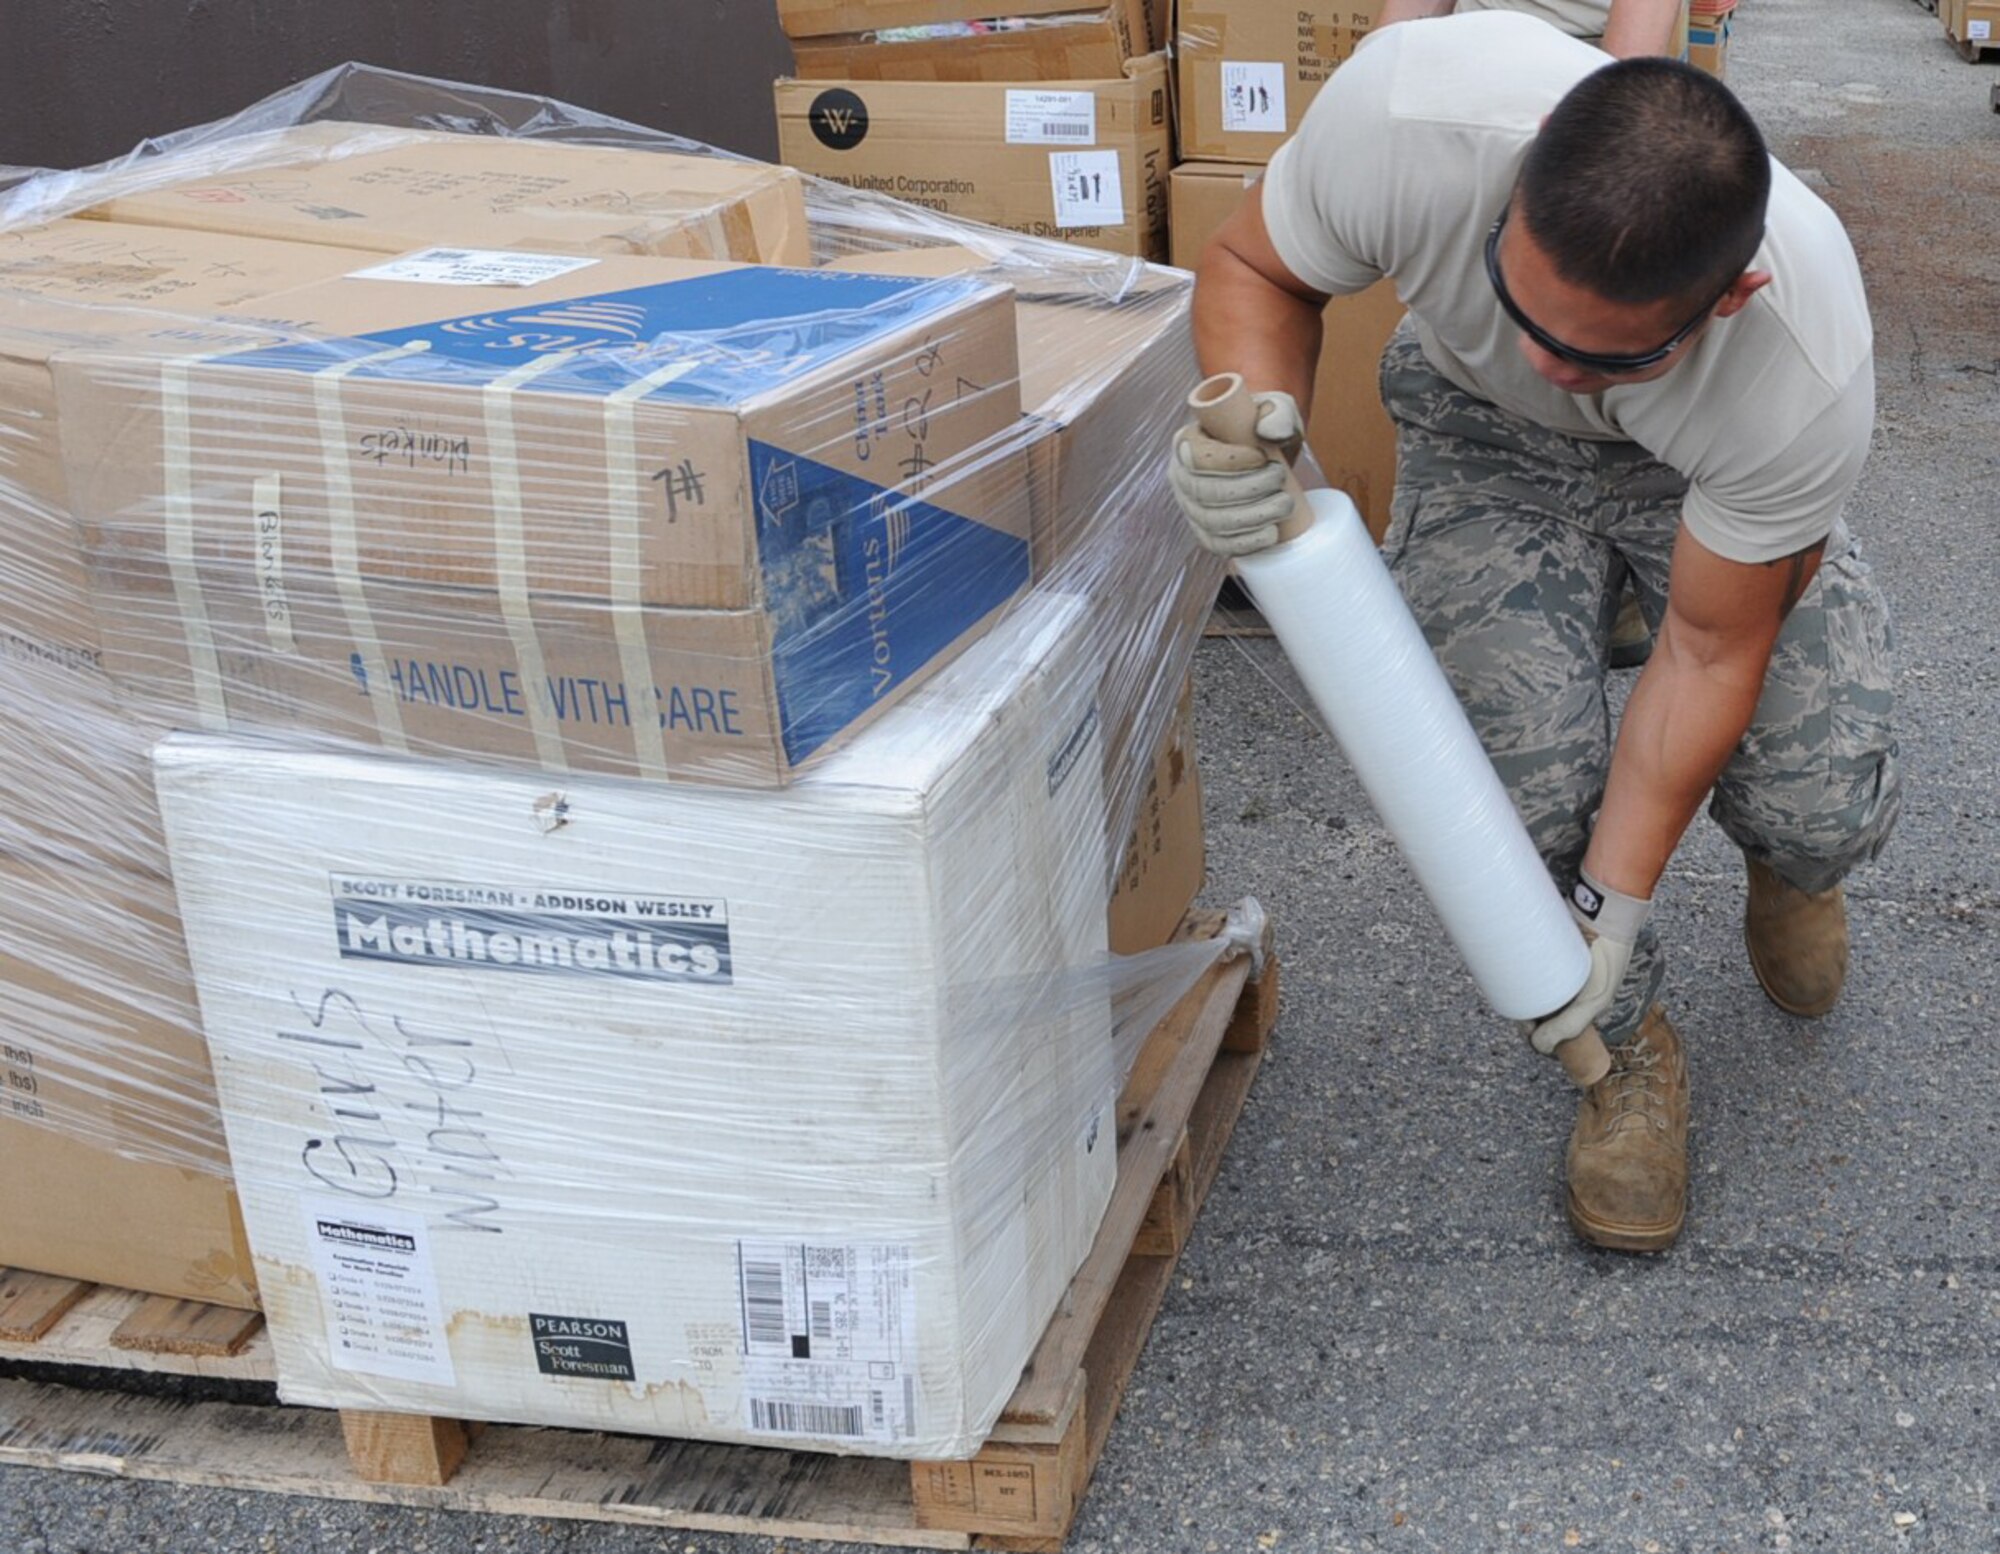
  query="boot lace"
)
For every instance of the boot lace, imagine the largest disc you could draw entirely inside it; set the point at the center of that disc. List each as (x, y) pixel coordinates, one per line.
(1634, 1089)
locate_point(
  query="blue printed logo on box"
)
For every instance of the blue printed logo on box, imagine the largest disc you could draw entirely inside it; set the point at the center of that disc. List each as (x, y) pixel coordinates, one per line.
(864, 587)
(728, 336)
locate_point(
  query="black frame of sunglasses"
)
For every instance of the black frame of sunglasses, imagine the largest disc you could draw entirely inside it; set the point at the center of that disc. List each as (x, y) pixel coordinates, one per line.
(1597, 361)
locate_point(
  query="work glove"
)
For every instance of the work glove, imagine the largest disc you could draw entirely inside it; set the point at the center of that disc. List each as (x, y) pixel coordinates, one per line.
(1234, 498)
(1610, 922)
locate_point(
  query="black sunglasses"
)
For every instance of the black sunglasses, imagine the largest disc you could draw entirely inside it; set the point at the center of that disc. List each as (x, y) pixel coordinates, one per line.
(1597, 361)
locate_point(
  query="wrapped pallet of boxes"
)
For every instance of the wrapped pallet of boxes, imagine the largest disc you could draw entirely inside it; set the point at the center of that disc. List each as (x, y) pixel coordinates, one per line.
(970, 40)
(757, 1235)
(1084, 161)
(774, 1106)
(1249, 69)
(387, 190)
(641, 516)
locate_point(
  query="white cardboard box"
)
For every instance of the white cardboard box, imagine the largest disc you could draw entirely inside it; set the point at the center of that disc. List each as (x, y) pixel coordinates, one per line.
(778, 1117)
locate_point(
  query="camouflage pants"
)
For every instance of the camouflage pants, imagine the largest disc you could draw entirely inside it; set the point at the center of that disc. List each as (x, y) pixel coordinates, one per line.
(1511, 543)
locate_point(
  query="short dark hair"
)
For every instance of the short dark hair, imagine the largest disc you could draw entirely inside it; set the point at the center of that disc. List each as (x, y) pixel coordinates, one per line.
(1648, 183)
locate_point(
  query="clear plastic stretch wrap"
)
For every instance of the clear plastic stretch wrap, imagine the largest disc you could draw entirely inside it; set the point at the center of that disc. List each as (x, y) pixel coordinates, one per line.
(621, 701)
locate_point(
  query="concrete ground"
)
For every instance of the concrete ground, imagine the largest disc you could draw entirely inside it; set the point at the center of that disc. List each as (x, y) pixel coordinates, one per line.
(1384, 1337)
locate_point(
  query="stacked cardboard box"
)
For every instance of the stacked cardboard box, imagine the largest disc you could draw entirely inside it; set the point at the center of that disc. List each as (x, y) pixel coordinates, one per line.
(1249, 69)
(969, 40)
(1055, 122)
(392, 190)
(1974, 25)
(781, 1117)
(1710, 24)
(651, 517)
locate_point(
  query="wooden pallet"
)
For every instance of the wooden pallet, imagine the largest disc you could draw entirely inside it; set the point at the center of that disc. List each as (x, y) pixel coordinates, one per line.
(1022, 1491)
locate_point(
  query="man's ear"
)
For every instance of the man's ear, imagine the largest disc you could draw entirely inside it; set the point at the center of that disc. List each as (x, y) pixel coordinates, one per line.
(1747, 285)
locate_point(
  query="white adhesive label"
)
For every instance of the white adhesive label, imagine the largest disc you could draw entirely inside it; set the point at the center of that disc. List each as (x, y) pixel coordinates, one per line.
(378, 1291)
(474, 267)
(1088, 190)
(1978, 32)
(829, 1340)
(1037, 118)
(1253, 96)
(268, 520)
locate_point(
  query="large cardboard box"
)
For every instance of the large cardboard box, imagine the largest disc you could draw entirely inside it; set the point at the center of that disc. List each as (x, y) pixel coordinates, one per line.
(1086, 41)
(1351, 436)
(1250, 69)
(622, 476)
(830, 18)
(73, 777)
(1084, 161)
(790, 1104)
(388, 191)
(115, 1168)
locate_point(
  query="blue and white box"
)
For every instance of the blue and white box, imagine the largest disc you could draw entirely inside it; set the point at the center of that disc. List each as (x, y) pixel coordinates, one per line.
(542, 507)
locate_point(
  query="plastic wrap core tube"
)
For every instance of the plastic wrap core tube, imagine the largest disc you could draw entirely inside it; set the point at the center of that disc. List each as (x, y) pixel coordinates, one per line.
(1370, 672)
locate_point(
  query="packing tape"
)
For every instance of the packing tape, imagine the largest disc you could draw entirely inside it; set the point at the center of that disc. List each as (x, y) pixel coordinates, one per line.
(510, 553)
(626, 480)
(344, 544)
(177, 478)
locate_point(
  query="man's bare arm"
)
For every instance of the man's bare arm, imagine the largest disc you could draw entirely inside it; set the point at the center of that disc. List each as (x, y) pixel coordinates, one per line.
(1691, 705)
(1251, 314)
(1640, 27)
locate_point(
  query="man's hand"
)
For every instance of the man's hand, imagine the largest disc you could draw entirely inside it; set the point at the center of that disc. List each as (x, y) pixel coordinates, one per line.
(1234, 498)
(1611, 923)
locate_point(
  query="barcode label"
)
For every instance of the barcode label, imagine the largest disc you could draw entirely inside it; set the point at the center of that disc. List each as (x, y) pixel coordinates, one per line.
(829, 1339)
(775, 1417)
(473, 267)
(1038, 118)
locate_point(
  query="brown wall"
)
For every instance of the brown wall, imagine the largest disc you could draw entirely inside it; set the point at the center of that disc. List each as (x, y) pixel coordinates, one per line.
(82, 80)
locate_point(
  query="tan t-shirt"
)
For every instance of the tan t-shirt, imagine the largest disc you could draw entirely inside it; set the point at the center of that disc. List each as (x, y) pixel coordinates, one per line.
(1578, 18)
(1409, 153)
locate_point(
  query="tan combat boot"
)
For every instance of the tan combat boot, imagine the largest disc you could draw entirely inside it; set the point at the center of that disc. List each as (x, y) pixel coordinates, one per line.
(1798, 942)
(1627, 1167)
(1631, 638)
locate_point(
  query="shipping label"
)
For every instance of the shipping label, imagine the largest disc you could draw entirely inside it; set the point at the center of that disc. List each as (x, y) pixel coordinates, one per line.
(1253, 96)
(1088, 189)
(474, 267)
(1039, 118)
(829, 1339)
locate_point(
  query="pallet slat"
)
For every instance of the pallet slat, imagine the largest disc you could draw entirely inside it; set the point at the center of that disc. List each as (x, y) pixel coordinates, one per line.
(33, 1303)
(162, 1325)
